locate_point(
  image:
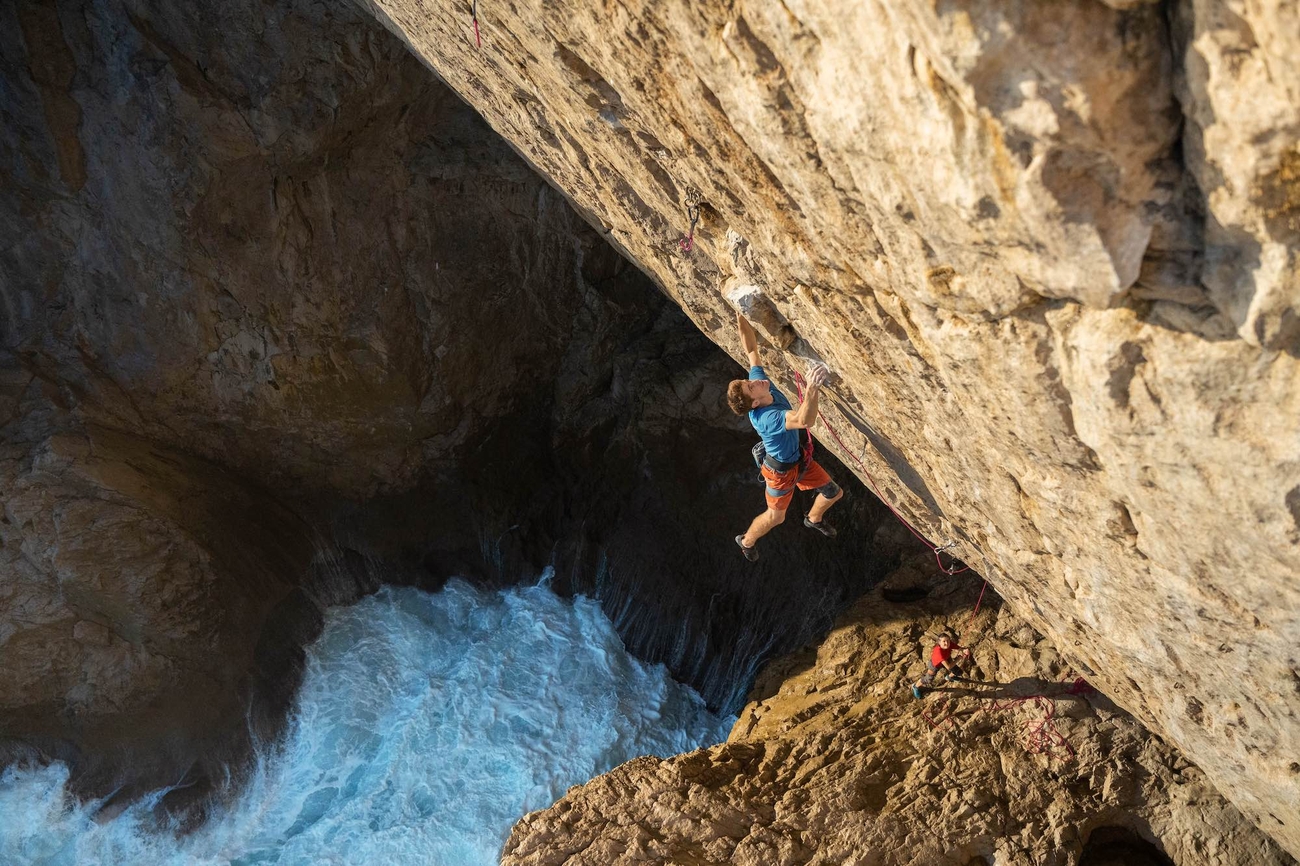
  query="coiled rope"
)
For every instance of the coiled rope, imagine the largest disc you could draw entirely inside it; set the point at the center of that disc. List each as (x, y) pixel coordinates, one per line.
(1039, 736)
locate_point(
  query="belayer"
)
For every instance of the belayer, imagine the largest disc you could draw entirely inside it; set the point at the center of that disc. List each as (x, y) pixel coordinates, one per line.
(947, 658)
(785, 466)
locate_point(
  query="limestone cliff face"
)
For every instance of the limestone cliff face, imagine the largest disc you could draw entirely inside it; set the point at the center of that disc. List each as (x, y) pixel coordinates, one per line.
(236, 236)
(1050, 250)
(833, 762)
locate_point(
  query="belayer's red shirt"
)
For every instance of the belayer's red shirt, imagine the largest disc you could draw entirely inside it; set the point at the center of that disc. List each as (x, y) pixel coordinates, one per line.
(939, 655)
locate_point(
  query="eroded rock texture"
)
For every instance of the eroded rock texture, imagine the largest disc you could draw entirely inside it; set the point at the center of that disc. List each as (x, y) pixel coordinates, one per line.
(136, 581)
(266, 219)
(834, 762)
(1050, 250)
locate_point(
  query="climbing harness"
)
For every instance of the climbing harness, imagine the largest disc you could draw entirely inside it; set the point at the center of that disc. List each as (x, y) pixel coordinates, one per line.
(474, 15)
(693, 213)
(762, 458)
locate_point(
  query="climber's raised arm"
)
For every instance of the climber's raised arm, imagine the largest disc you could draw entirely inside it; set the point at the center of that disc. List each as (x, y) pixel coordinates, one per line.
(806, 414)
(748, 339)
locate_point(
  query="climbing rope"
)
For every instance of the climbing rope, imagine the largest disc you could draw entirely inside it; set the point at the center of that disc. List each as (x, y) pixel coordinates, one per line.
(966, 627)
(949, 569)
(944, 710)
(693, 213)
(977, 606)
(1039, 736)
(799, 384)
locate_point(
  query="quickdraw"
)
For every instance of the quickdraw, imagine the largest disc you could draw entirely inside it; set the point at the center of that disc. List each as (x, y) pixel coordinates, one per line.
(688, 243)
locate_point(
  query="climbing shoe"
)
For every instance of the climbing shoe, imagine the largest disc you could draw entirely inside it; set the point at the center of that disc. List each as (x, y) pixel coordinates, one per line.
(916, 692)
(750, 553)
(824, 528)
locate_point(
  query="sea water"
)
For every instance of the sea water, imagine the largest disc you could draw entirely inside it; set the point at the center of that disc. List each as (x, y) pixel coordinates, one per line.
(427, 724)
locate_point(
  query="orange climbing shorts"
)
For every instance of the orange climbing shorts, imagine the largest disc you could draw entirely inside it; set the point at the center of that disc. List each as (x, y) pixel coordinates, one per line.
(780, 485)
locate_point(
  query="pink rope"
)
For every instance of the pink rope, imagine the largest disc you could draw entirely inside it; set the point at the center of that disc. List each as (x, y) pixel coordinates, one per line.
(977, 606)
(799, 383)
(943, 709)
(1041, 736)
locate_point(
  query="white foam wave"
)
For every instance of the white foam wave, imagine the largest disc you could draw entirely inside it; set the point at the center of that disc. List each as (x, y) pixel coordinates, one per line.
(426, 726)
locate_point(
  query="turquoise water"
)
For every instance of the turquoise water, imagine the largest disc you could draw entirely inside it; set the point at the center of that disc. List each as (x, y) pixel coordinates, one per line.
(426, 726)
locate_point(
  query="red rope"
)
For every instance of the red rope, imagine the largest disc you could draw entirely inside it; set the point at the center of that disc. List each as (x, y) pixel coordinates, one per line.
(799, 383)
(798, 386)
(977, 606)
(1080, 687)
(943, 706)
(1040, 736)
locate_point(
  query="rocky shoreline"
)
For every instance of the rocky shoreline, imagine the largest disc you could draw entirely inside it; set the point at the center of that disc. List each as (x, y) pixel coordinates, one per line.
(833, 761)
(302, 324)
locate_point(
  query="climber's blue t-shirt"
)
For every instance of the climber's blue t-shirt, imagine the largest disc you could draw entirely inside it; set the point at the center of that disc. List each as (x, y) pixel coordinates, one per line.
(769, 421)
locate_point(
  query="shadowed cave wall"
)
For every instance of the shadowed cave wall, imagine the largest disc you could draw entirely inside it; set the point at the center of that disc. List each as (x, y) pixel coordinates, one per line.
(281, 318)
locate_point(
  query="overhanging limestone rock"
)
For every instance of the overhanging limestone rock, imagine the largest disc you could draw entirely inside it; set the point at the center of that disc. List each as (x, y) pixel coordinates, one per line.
(998, 223)
(265, 237)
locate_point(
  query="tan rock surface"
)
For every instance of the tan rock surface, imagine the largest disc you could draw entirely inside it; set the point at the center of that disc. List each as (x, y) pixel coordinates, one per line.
(835, 763)
(1025, 237)
(1241, 86)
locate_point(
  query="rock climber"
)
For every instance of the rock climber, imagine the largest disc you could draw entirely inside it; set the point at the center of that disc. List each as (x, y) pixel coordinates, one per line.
(785, 466)
(953, 660)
